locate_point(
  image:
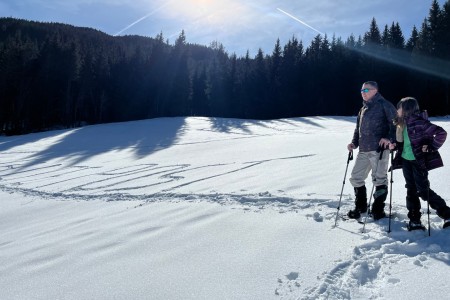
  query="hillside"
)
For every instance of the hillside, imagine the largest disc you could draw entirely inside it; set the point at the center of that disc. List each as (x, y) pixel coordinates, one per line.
(204, 208)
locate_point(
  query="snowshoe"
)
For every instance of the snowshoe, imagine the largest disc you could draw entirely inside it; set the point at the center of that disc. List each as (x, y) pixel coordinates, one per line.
(446, 223)
(356, 213)
(345, 217)
(378, 215)
(415, 226)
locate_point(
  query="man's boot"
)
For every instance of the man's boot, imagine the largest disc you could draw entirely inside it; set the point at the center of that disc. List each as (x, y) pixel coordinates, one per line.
(414, 220)
(360, 203)
(379, 197)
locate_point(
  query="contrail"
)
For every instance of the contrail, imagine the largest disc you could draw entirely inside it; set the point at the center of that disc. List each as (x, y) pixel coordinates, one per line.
(143, 18)
(134, 23)
(298, 20)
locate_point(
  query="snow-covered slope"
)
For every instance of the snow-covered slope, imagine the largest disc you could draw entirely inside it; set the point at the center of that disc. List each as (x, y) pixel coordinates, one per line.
(203, 208)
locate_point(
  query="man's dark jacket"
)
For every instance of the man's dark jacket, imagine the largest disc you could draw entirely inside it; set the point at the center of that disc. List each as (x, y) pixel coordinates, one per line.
(374, 122)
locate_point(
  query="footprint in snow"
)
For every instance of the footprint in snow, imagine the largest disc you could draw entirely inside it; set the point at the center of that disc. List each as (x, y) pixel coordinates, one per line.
(286, 287)
(316, 216)
(292, 276)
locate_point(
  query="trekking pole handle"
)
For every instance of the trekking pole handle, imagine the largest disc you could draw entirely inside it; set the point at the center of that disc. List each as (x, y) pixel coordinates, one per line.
(381, 150)
(350, 157)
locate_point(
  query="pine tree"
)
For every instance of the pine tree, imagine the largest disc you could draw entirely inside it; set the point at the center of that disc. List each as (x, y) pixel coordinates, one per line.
(275, 62)
(359, 42)
(397, 40)
(313, 52)
(443, 39)
(434, 23)
(351, 41)
(325, 48)
(373, 36)
(181, 40)
(260, 103)
(386, 37)
(412, 41)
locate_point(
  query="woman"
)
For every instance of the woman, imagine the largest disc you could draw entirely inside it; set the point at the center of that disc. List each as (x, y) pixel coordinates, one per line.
(417, 143)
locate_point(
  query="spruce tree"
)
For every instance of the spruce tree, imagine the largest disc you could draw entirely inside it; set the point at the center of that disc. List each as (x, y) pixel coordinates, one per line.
(412, 41)
(373, 36)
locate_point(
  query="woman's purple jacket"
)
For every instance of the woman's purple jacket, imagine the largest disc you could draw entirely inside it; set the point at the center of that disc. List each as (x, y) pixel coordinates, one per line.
(422, 132)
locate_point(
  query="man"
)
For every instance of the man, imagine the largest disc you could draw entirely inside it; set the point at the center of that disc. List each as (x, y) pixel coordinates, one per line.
(374, 130)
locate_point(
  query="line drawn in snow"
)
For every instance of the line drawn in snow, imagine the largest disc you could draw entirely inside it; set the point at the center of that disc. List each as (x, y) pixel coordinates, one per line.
(30, 170)
(252, 164)
(148, 178)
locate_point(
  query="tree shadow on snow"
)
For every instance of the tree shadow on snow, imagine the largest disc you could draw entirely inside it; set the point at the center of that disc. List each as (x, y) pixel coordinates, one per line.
(245, 126)
(141, 137)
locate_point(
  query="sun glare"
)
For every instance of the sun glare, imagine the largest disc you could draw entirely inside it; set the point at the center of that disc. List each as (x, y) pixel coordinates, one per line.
(215, 13)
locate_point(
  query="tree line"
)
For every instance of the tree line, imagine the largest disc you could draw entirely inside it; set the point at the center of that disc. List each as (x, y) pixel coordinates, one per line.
(59, 76)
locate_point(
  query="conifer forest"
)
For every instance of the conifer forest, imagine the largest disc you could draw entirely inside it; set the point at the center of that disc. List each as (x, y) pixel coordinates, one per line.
(56, 75)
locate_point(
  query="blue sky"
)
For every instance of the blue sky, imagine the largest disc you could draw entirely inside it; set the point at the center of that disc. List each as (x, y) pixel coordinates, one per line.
(238, 25)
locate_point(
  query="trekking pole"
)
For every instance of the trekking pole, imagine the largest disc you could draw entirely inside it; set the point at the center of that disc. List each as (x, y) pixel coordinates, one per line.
(373, 186)
(392, 181)
(428, 205)
(350, 157)
(368, 207)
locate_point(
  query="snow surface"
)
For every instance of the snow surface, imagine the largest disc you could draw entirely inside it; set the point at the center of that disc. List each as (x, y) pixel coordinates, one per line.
(205, 208)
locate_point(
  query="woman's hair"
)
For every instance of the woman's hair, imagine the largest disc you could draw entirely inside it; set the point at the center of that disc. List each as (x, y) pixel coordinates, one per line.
(409, 106)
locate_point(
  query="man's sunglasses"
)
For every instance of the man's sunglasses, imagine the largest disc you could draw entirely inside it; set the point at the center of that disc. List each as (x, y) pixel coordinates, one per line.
(365, 90)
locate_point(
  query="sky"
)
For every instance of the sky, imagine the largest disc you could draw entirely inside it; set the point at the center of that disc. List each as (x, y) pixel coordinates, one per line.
(238, 25)
(207, 208)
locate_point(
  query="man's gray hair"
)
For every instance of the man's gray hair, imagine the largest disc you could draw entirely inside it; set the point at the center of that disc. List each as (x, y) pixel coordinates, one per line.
(373, 84)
